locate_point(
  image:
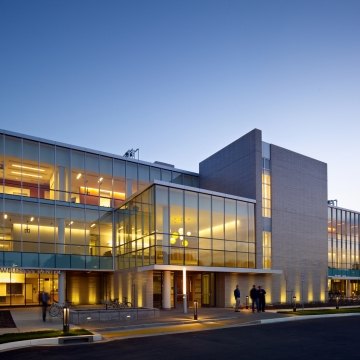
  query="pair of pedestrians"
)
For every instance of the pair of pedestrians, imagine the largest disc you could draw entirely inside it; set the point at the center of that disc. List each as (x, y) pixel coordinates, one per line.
(257, 296)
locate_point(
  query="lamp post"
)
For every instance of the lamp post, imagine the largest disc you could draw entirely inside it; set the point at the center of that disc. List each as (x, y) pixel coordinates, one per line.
(196, 309)
(184, 291)
(66, 318)
(294, 303)
(246, 302)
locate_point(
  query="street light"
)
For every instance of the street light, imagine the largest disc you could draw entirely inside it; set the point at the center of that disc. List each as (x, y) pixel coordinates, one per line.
(184, 291)
(337, 301)
(196, 304)
(294, 303)
(66, 318)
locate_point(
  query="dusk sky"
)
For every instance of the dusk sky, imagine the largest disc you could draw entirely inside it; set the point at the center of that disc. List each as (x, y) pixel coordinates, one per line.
(181, 79)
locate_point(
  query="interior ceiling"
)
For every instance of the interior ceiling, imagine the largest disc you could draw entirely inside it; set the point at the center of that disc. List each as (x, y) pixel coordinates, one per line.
(29, 171)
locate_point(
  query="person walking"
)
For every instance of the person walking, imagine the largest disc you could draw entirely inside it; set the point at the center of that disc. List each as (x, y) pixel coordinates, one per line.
(261, 295)
(237, 298)
(44, 300)
(254, 298)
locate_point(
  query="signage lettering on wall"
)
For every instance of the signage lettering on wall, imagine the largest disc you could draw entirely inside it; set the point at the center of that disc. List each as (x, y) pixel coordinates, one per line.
(27, 271)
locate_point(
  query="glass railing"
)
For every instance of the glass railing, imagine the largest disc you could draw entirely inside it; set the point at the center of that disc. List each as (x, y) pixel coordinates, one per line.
(13, 260)
(343, 272)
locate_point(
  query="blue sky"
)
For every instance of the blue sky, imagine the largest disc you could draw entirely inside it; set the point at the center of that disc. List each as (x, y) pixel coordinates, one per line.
(181, 79)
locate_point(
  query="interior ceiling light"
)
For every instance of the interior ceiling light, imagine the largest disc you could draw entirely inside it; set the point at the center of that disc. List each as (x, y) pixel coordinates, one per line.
(78, 176)
(92, 225)
(26, 174)
(5, 216)
(27, 167)
(32, 218)
(100, 180)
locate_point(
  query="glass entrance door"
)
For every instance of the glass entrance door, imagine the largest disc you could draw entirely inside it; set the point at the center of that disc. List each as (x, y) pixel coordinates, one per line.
(199, 286)
(208, 290)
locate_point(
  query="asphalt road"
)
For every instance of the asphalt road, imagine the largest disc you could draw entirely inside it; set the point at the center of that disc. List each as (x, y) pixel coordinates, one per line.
(328, 338)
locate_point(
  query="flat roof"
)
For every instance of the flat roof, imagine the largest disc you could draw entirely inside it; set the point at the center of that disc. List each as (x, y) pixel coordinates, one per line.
(203, 191)
(75, 147)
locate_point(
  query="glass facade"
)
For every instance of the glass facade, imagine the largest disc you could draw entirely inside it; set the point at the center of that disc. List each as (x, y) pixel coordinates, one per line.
(343, 252)
(343, 242)
(266, 249)
(266, 207)
(57, 203)
(178, 226)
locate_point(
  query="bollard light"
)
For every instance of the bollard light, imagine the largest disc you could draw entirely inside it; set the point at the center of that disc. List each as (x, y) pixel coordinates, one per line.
(294, 303)
(196, 304)
(337, 301)
(66, 318)
(247, 301)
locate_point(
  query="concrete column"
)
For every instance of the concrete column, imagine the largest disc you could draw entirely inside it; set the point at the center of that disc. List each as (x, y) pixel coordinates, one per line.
(149, 290)
(62, 287)
(166, 290)
(116, 283)
(348, 288)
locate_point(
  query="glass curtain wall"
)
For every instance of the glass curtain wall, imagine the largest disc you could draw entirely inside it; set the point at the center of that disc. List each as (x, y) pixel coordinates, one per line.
(343, 252)
(36, 169)
(343, 242)
(56, 203)
(192, 228)
(266, 207)
(22, 287)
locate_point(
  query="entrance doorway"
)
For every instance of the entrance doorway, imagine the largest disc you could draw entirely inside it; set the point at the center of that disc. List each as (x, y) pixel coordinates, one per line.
(208, 290)
(199, 286)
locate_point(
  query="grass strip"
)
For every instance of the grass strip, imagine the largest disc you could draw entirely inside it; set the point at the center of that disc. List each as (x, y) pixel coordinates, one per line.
(10, 337)
(321, 311)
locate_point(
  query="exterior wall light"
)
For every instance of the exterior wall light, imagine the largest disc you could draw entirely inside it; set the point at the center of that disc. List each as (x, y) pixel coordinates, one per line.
(337, 301)
(66, 319)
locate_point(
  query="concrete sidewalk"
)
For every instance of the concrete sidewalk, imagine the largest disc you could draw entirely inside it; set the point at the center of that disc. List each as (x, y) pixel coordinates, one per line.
(30, 319)
(168, 322)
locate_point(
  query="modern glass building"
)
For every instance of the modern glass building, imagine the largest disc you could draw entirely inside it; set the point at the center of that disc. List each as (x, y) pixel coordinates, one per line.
(169, 227)
(343, 253)
(88, 226)
(56, 224)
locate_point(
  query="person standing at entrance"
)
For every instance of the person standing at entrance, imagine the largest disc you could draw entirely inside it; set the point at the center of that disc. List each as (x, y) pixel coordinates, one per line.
(261, 294)
(254, 298)
(44, 300)
(237, 298)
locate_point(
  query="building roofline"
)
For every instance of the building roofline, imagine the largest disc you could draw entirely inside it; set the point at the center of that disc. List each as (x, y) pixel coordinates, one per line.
(189, 188)
(345, 209)
(203, 191)
(93, 151)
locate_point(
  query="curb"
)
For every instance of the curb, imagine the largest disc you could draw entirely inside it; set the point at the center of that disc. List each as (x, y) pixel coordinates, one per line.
(305, 317)
(51, 341)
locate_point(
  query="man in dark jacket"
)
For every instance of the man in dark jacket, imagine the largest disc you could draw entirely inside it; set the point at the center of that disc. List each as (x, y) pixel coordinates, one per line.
(261, 293)
(254, 299)
(44, 300)
(237, 298)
